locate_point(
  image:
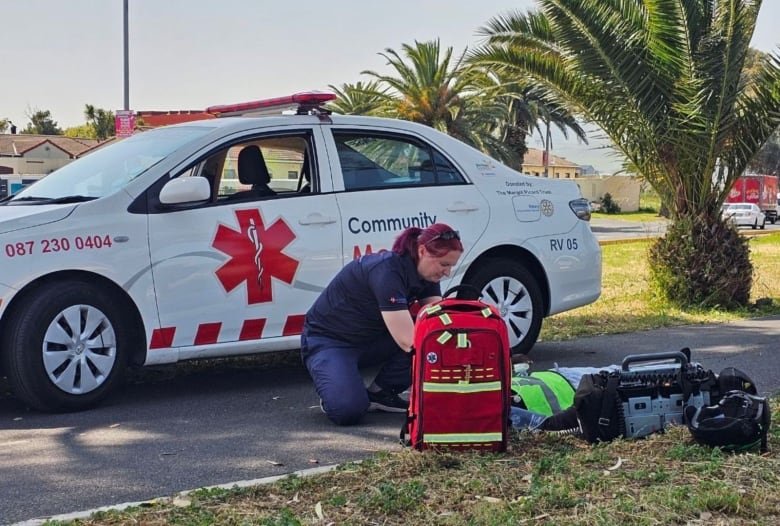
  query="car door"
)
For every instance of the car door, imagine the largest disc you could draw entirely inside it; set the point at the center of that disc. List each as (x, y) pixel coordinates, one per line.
(394, 180)
(245, 267)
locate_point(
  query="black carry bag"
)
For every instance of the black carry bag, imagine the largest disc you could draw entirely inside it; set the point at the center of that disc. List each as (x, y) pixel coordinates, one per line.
(649, 392)
(596, 403)
(738, 422)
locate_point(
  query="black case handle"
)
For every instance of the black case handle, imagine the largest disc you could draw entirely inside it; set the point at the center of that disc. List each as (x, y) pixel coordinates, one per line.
(677, 356)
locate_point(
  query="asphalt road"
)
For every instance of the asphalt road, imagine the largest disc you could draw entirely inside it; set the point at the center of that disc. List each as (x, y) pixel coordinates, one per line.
(177, 429)
(615, 229)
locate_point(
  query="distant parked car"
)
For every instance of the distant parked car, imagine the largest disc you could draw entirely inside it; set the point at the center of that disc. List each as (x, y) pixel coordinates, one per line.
(744, 214)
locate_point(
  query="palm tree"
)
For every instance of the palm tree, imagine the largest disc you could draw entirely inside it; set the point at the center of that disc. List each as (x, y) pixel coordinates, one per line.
(429, 88)
(358, 98)
(433, 88)
(527, 109)
(664, 80)
(101, 121)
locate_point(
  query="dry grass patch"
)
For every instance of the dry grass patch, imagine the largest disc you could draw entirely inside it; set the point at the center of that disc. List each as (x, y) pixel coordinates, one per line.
(543, 479)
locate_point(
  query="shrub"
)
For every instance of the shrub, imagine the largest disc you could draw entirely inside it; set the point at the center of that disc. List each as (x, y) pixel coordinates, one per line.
(608, 205)
(702, 264)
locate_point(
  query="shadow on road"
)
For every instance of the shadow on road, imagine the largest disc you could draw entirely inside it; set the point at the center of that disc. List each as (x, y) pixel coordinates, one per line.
(171, 429)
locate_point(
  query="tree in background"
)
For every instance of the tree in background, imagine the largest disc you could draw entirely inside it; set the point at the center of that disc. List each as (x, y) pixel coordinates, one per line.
(101, 121)
(41, 123)
(432, 87)
(82, 131)
(4, 125)
(664, 80)
(428, 86)
(527, 108)
(358, 98)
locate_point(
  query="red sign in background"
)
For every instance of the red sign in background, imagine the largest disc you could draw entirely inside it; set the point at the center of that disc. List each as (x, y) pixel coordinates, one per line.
(124, 123)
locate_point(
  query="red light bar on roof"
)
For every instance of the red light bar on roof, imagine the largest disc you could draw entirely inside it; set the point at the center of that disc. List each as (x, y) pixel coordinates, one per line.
(301, 103)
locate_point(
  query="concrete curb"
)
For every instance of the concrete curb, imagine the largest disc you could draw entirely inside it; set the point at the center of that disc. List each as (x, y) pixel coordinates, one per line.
(230, 485)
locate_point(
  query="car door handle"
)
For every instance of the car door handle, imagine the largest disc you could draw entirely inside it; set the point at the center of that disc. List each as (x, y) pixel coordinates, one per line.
(460, 206)
(316, 219)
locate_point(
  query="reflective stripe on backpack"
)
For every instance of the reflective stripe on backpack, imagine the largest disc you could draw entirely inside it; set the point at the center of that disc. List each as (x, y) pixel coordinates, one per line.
(434, 387)
(461, 438)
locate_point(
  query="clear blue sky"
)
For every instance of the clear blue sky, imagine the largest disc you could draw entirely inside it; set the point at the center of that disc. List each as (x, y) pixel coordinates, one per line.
(189, 54)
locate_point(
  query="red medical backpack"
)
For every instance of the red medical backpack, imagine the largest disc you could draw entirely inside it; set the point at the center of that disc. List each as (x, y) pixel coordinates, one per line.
(461, 378)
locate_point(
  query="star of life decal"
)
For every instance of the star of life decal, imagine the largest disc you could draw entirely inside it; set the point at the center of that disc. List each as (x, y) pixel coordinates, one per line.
(255, 255)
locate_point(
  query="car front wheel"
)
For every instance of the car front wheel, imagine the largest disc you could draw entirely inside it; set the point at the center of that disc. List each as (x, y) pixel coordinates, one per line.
(64, 349)
(515, 292)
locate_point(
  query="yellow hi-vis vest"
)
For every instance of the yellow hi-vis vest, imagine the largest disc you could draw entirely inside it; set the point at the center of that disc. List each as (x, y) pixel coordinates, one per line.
(544, 392)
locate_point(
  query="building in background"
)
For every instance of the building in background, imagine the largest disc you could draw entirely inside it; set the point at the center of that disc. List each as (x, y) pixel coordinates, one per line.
(40, 154)
(26, 158)
(558, 168)
(624, 189)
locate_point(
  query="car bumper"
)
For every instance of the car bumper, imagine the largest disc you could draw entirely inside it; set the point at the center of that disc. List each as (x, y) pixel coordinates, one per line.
(574, 276)
(743, 221)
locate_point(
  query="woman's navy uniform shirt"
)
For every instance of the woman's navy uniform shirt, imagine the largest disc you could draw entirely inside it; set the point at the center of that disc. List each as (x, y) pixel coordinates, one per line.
(350, 308)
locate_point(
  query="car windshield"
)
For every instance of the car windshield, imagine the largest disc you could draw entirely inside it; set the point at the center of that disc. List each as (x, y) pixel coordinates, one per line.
(108, 169)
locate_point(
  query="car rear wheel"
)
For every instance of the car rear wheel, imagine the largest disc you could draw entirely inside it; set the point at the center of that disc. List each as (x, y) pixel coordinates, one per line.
(66, 347)
(515, 292)
(755, 224)
(763, 224)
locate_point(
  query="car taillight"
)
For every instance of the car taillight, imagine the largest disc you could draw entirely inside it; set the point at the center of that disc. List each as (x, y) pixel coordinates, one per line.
(581, 208)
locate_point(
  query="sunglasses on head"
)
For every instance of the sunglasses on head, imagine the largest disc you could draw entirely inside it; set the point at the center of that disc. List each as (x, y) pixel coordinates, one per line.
(447, 236)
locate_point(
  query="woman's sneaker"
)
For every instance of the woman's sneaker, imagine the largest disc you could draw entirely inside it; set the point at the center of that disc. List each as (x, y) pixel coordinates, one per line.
(386, 401)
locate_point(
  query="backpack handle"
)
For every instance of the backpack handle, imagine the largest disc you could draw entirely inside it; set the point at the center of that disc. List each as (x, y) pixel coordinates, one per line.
(465, 288)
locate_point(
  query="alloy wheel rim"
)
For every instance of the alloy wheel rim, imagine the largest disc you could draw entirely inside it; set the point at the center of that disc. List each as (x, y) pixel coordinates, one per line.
(513, 302)
(79, 349)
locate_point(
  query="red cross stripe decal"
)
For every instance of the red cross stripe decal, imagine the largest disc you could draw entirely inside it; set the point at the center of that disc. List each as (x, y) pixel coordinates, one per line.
(255, 255)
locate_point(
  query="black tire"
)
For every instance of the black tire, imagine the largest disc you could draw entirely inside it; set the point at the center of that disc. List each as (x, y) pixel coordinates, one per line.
(763, 224)
(52, 365)
(755, 224)
(521, 308)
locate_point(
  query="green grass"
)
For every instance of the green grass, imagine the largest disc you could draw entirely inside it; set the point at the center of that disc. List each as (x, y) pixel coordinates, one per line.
(649, 201)
(627, 303)
(542, 479)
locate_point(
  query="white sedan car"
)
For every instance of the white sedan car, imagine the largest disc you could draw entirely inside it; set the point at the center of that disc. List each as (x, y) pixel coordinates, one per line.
(744, 214)
(213, 238)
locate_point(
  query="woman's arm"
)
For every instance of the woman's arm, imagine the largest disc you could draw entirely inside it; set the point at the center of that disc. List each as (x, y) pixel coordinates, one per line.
(401, 327)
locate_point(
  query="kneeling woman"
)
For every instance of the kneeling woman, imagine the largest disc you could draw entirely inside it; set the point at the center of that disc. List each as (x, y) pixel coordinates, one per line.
(363, 315)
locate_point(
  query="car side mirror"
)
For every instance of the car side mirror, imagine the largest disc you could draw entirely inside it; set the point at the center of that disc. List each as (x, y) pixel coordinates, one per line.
(185, 190)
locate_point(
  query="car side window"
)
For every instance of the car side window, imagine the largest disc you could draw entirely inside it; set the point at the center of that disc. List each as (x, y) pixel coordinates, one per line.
(384, 161)
(266, 167)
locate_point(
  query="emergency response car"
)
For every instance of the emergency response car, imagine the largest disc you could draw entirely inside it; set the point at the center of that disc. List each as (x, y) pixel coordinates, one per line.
(213, 238)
